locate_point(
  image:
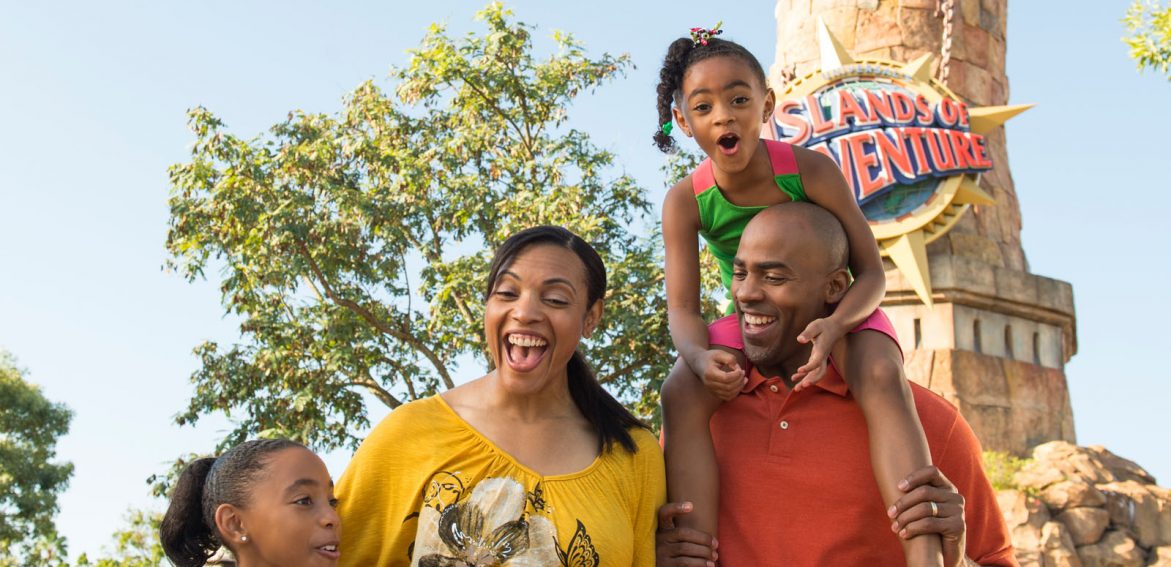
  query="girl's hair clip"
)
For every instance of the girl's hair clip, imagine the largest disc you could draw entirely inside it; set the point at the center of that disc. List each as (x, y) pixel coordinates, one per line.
(667, 127)
(700, 36)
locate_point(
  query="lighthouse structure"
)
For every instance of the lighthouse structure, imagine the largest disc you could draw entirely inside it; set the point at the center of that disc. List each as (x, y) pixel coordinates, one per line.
(909, 97)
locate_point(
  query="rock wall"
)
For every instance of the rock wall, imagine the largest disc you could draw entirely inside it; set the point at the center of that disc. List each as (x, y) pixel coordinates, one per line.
(1087, 507)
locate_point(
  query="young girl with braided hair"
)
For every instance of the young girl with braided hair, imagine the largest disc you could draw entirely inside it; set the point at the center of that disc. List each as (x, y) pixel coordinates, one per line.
(269, 501)
(716, 92)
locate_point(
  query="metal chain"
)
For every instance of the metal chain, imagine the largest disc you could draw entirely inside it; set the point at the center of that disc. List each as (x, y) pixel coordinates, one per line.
(945, 9)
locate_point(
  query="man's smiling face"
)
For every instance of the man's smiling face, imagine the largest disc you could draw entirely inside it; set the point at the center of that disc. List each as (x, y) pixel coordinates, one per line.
(788, 271)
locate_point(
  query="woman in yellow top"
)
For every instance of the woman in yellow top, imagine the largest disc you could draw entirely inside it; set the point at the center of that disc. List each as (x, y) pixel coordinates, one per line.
(533, 463)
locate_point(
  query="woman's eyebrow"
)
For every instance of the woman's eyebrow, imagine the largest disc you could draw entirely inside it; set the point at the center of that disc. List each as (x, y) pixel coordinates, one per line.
(552, 281)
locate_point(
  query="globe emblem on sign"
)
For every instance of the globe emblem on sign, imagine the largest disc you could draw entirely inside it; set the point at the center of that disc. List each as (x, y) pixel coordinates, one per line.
(897, 199)
(910, 149)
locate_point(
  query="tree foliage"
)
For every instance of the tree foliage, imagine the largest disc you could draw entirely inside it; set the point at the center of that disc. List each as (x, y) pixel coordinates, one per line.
(353, 247)
(135, 545)
(1148, 26)
(29, 481)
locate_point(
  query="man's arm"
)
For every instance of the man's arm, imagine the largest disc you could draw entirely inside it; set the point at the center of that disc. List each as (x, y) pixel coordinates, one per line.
(932, 504)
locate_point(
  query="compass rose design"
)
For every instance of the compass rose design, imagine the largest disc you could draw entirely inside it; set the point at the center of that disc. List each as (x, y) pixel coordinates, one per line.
(911, 150)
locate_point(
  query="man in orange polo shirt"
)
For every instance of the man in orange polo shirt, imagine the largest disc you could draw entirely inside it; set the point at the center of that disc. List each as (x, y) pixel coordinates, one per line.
(796, 483)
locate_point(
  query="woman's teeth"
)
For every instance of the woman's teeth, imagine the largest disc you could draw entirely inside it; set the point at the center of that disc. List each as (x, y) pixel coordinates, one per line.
(526, 341)
(758, 319)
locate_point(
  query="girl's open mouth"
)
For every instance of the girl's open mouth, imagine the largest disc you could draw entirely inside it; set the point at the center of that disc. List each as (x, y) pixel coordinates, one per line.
(728, 143)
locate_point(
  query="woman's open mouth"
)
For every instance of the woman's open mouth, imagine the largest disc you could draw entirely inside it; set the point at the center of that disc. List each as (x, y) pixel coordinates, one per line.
(329, 551)
(728, 143)
(524, 351)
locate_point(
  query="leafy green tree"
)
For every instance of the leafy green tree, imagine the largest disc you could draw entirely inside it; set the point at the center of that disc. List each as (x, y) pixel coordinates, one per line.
(1148, 26)
(29, 482)
(135, 545)
(353, 247)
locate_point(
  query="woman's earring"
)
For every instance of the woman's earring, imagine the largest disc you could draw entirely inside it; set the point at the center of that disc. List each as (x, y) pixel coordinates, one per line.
(243, 538)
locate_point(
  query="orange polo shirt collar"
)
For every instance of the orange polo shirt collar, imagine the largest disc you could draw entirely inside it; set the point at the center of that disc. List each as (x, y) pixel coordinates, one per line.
(832, 381)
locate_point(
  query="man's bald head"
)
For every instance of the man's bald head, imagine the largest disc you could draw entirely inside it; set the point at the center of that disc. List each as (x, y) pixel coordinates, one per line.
(807, 225)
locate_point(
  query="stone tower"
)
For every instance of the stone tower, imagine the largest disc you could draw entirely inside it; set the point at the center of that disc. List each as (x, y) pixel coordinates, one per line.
(975, 325)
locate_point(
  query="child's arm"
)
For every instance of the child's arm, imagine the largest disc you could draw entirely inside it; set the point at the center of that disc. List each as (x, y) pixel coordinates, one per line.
(718, 369)
(871, 360)
(825, 186)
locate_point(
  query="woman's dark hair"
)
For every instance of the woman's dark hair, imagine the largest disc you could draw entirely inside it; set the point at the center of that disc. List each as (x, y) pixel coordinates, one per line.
(681, 55)
(188, 532)
(609, 418)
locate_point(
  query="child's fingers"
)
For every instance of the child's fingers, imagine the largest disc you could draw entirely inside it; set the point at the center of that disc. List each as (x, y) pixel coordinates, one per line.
(808, 367)
(725, 360)
(817, 357)
(810, 379)
(724, 376)
(811, 332)
(730, 391)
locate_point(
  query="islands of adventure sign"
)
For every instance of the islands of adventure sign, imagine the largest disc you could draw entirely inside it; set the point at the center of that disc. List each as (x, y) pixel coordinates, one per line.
(910, 149)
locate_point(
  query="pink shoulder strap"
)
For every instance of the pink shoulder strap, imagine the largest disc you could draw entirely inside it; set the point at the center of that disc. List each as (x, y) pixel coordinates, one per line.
(781, 156)
(703, 178)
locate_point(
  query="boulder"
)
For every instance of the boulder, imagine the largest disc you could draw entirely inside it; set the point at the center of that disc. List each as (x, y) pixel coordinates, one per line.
(1072, 494)
(1075, 462)
(1163, 500)
(1160, 557)
(1020, 508)
(1057, 547)
(1086, 525)
(1123, 469)
(1038, 475)
(1115, 550)
(1130, 505)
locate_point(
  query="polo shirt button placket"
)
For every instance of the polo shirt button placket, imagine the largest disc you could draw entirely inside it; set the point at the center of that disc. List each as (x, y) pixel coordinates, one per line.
(773, 387)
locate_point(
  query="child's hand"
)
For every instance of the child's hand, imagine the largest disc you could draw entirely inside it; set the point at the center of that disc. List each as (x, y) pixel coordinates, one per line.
(721, 373)
(824, 334)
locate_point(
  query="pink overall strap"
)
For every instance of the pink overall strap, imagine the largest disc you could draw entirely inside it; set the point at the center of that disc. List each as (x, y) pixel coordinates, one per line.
(781, 156)
(703, 178)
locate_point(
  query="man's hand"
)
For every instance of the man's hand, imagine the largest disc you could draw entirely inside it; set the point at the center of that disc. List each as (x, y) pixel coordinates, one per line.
(824, 334)
(721, 373)
(682, 547)
(931, 505)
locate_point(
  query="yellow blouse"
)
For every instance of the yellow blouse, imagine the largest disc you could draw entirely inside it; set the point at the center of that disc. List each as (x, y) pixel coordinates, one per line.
(426, 489)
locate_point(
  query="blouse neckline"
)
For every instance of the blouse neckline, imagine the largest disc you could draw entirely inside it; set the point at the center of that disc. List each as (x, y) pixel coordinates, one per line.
(463, 423)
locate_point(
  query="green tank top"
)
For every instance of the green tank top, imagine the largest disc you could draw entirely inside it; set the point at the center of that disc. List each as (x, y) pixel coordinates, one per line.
(722, 223)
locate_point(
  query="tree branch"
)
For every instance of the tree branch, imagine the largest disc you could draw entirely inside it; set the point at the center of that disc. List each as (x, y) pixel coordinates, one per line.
(406, 379)
(524, 110)
(621, 372)
(364, 313)
(519, 131)
(434, 258)
(378, 391)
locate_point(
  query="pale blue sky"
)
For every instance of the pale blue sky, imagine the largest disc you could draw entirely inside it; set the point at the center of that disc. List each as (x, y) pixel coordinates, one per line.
(92, 102)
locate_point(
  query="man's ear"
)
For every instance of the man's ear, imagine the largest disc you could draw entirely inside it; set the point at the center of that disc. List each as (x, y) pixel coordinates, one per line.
(770, 104)
(681, 120)
(593, 316)
(836, 286)
(230, 524)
